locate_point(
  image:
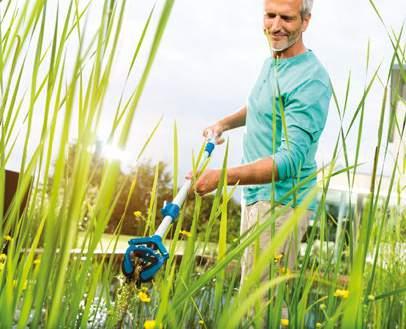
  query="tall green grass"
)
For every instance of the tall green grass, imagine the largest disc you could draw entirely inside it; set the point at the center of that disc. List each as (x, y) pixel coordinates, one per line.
(43, 283)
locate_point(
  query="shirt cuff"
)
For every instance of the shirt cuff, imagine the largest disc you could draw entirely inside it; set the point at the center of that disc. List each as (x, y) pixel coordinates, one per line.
(283, 166)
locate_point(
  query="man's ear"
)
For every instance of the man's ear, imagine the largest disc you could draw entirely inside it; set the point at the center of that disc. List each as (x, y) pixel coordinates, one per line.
(306, 21)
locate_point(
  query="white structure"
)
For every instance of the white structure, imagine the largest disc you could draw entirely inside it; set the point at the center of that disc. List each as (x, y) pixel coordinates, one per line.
(398, 117)
(345, 196)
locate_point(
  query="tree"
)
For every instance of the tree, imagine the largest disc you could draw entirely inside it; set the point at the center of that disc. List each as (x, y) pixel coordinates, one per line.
(133, 208)
(138, 208)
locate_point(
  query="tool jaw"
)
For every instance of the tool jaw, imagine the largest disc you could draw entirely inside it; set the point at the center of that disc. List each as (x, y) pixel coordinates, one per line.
(143, 258)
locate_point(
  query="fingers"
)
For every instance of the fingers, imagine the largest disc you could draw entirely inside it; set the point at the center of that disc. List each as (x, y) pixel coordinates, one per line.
(208, 131)
(200, 189)
(197, 186)
(219, 140)
(192, 189)
(213, 131)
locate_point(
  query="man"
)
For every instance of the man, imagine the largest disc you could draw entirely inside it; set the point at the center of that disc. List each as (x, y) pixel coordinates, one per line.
(284, 118)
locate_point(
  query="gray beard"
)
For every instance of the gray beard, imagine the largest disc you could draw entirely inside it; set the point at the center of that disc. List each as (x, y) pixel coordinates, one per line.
(287, 46)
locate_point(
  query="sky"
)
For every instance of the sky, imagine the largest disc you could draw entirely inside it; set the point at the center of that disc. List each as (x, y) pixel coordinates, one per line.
(209, 59)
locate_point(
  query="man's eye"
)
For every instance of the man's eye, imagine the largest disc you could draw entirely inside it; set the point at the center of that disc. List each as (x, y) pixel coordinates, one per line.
(287, 18)
(270, 15)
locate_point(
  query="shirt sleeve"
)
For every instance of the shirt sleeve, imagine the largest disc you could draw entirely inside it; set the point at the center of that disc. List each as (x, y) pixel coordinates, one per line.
(305, 112)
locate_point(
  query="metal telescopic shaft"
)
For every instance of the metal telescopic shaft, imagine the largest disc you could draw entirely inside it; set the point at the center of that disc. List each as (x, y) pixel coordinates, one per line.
(182, 194)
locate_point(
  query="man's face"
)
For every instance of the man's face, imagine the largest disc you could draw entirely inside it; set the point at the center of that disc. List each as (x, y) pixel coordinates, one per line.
(283, 23)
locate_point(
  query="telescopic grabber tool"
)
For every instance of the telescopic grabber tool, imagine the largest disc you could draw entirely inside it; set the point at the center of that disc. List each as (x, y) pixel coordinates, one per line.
(145, 256)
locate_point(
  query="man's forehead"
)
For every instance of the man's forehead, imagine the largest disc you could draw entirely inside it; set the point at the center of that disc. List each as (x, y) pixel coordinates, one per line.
(283, 5)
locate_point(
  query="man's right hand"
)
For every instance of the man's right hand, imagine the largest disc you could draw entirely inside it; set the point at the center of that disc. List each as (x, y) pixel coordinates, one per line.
(216, 129)
(229, 122)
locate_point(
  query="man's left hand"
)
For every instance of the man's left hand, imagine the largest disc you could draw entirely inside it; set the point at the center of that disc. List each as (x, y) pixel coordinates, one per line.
(207, 182)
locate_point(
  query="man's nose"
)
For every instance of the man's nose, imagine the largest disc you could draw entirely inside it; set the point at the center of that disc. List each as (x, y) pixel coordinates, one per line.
(276, 23)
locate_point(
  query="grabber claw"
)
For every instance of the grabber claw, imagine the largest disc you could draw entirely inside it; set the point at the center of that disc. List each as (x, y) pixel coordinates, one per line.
(143, 258)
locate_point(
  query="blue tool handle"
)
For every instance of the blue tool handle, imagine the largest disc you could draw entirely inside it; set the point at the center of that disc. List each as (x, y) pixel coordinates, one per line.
(209, 148)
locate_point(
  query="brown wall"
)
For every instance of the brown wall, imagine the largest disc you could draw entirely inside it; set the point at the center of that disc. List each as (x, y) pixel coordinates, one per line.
(10, 190)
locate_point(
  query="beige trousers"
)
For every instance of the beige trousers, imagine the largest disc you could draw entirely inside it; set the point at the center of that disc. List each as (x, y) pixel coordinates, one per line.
(256, 213)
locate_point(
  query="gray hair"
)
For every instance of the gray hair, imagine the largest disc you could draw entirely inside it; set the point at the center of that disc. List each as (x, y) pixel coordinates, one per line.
(306, 7)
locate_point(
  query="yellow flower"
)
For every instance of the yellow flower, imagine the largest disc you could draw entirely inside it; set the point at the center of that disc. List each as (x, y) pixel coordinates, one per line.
(319, 325)
(342, 293)
(186, 233)
(284, 270)
(137, 214)
(284, 322)
(37, 261)
(144, 297)
(201, 322)
(278, 258)
(3, 258)
(8, 238)
(149, 324)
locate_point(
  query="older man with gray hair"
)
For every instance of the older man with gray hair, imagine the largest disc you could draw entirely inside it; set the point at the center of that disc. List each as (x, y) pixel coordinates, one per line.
(284, 117)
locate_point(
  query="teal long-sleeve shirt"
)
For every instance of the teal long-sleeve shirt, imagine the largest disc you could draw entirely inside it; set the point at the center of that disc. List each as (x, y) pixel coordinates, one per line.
(287, 111)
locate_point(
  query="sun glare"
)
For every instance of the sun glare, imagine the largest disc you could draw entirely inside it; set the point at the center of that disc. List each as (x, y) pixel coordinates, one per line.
(111, 152)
